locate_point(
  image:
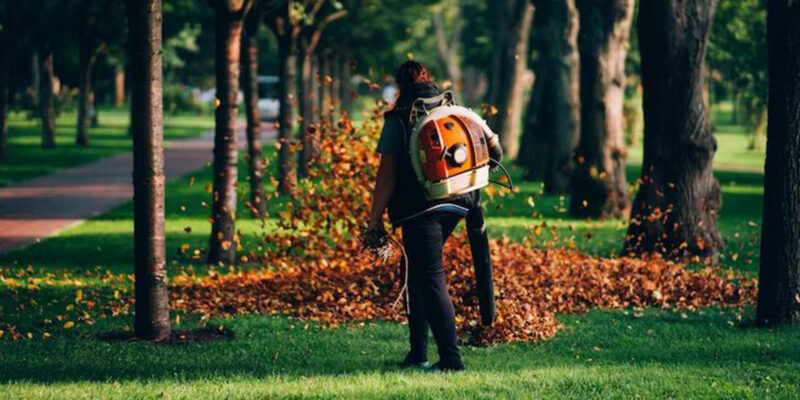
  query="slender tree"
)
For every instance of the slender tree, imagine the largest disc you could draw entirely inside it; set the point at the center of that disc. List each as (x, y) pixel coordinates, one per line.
(229, 16)
(309, 37)
(47, 110)
(119, 86)
(552, 122)
(144, 43)
(255, 161)
(675, 210)
(779, 274)
(513, 22)
(599, 188)
(285, 24)
(99, 23)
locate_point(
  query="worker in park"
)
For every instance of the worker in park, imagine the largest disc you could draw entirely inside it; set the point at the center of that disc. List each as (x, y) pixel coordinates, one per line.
(435, 157)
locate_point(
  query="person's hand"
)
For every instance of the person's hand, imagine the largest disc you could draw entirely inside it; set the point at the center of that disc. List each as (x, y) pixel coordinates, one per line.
(374, 238)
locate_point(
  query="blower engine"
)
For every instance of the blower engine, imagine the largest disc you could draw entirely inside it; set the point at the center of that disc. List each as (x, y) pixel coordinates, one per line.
(451, 147)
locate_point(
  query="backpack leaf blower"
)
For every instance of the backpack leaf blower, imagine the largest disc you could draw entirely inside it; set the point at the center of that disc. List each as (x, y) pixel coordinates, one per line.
(452, 151)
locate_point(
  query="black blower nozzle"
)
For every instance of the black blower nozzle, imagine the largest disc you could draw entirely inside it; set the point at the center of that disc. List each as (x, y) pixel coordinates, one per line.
(481, 261)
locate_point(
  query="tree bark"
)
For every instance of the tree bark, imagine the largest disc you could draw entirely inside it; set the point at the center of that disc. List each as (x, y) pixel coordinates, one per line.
(119, 86)
(336, 86)
(509, 64)
(307, 125)
(346, 89)
(779, 273)
(228, 24)
(255, 162)
(599, 187)
(552, 123)
(152, 298)
(287, 53)
(46, 103)
(675, 211)
(84, 94)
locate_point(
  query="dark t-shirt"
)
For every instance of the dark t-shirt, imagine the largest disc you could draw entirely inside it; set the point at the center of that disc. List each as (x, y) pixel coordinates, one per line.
(391, 140)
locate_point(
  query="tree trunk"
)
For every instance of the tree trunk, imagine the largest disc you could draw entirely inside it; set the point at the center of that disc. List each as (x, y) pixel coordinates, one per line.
(152, 297)
(599, 188)
(255, 162)
(305, 104)
(326, 111)
(675, 211)
(84, 89)
(228, 26)
(346, 86)
(46, 103)
(510, 60)
(552, 123)
(119, 86)
(5, 74)
(336, 86)
(288, 66)
(94, 115)
(779, 274)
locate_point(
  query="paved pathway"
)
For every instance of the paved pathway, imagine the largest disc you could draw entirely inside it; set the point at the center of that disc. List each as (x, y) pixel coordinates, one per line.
(40, 207)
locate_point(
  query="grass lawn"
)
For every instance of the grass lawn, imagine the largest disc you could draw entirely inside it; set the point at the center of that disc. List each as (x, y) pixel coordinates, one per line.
(26, 158)
(604, 354)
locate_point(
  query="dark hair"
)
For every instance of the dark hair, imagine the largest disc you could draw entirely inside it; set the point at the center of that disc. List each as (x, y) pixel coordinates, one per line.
(411, 72)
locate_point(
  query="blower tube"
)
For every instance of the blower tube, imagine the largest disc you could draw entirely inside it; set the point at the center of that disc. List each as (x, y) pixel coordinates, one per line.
(481, 261)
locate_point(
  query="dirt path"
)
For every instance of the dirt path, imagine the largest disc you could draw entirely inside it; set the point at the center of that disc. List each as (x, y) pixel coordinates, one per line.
(40, 207)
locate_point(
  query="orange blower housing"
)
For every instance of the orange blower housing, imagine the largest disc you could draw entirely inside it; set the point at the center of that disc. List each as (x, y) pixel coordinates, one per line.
(449, 152)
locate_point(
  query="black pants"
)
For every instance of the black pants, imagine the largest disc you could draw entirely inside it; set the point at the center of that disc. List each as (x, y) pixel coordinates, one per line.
(430, 303)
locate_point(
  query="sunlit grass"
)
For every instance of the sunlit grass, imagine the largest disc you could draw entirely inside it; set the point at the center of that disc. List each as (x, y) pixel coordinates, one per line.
(626, 354)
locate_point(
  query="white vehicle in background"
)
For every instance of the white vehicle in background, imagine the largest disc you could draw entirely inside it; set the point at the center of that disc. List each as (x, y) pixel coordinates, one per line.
(268, 93)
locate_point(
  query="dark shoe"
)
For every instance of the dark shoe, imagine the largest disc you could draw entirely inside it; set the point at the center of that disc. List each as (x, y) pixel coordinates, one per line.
(440, 367)
(410, 362)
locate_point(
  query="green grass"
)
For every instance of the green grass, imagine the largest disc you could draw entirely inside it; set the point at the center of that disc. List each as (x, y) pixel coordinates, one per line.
(604, 355)
(26, 158)
(622, 354)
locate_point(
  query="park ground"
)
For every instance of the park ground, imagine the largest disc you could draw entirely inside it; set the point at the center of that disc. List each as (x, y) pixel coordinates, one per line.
(632, 353)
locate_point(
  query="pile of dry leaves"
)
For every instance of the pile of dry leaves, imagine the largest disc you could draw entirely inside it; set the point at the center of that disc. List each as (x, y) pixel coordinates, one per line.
(314, 270)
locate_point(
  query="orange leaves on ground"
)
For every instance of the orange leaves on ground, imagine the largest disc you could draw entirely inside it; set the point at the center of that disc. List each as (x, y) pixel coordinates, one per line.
(314, 269)
(532, 285)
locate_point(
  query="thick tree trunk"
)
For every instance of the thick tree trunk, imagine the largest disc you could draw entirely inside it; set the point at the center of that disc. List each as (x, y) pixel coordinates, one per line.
(5, 74)
(228, 26)
(84, 94)
(509, 64)
(675, 211)
(599, 188)
(152, 298)
(307, 126)
(779, 274)
(119, 86)
(552, 122)
(255, 162)
(46, 103)
(288, 66)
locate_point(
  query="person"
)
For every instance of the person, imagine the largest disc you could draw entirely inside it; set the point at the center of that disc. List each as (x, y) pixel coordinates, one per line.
(425, 226)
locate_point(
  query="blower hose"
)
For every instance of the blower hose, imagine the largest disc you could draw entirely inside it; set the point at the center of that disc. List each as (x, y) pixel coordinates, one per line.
(510, 185)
